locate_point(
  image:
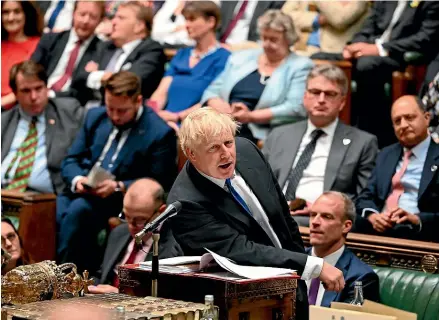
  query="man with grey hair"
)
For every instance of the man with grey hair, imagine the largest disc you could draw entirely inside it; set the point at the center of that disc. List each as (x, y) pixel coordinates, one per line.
(321, 153)
(331, 218)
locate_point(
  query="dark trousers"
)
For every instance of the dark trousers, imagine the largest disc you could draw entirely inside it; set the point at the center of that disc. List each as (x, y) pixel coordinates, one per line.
(79, 219)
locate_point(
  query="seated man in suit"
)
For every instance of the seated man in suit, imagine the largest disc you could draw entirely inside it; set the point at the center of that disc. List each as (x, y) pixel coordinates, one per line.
(331, 218)
(66, 53)
(232, 204)
(143, 200)
(124, 139)
(402, 195)
(324, 154)
(392, 28)
(131, 49)
(36, 133)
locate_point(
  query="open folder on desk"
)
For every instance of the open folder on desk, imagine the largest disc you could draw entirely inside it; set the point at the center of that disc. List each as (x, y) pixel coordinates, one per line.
(198, 263)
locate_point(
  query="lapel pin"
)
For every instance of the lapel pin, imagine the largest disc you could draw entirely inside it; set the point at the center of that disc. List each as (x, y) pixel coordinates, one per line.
(433, 168)
(346, 141)
(52, 121)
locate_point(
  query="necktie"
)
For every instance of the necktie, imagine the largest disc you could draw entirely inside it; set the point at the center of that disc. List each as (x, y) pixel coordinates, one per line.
(397, 187)
(237, 197)
(55, 14)
(234, 21)
(297, 172)
(107, 162)
(57, 86)
(26, 154)
(313, 291)
(131, 260)
(112, 63)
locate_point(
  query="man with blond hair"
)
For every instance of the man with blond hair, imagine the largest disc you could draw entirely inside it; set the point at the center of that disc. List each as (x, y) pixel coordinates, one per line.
(233, 205)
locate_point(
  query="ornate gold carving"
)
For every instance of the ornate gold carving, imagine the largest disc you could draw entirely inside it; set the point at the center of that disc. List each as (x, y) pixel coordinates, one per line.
(429, 263)
(41, 281)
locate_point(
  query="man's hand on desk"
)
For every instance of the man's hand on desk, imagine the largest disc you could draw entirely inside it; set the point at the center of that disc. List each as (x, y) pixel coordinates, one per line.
(380, 221)
(102, 288)
(105, 188)
(332, 278)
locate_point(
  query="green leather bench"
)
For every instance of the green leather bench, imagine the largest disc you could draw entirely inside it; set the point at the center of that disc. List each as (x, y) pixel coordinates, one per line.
(408, 290)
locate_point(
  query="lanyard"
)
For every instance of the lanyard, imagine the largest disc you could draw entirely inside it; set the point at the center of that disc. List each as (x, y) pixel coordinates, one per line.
(110, 140)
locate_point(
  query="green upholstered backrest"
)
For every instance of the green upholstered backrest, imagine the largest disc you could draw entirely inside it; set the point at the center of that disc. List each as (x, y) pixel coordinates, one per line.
(413, 291)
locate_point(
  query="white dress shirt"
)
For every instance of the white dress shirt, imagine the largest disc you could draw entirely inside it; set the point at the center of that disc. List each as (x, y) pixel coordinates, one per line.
(65, 17)
(313, 265)
(330, 259)
(240, 31)
(140, 256)
(311, 185)
(95, 77)
(64, 59)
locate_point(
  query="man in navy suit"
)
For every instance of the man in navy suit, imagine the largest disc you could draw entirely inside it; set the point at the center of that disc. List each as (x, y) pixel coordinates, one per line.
(128, 141)
(402, 196)
(331, 218)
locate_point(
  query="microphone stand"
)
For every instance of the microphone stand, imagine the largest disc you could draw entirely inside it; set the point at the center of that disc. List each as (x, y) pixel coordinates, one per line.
(155, 263)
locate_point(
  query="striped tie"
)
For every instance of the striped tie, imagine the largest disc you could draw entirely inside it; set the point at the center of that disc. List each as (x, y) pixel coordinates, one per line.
(26, 154)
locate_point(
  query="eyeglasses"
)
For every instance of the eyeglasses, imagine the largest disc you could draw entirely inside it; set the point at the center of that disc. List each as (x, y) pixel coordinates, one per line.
(137, 222)
(10, 237)
(329, 94)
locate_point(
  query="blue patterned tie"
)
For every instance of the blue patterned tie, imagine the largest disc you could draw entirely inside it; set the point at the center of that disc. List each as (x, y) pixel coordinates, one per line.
(297, 172)
(55, 14)
(237, 197)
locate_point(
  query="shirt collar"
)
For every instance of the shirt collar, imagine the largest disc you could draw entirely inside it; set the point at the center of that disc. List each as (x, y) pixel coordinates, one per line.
(421, 149)
(219, 182)
(329, 130)
(25, 116)
(331, 258)
(130, 46)
(73, 37)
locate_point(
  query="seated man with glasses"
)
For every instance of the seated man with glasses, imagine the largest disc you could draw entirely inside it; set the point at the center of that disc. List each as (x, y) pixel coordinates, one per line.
(143, 200)
(321, 153)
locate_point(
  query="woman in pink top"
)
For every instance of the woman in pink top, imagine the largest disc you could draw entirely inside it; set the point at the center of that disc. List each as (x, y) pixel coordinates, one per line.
(22, 27)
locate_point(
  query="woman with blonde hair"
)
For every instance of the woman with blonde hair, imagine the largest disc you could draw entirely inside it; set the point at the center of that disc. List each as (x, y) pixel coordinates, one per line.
(263, 87)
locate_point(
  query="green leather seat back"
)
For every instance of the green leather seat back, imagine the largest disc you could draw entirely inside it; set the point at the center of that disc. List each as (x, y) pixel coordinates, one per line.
(412, 291)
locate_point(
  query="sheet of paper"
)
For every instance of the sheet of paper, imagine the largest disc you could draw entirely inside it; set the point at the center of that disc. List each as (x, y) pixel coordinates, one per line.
(175, 261)
(97, 175)
(250, 272)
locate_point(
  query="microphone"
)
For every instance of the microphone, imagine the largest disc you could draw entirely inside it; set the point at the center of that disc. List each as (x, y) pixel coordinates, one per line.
(170, 211)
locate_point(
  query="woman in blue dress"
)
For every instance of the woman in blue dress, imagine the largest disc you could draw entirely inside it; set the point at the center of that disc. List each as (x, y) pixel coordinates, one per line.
(192, 69)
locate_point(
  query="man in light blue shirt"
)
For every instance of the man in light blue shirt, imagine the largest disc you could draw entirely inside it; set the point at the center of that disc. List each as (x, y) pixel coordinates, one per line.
(56, 122)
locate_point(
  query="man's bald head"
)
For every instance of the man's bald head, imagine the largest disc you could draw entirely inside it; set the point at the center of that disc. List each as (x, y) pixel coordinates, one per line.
(142, 200)
(410, 121)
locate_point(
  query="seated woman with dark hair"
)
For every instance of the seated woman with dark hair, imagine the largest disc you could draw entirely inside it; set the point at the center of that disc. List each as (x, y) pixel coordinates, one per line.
(22, 26)
(265, 86)
(194, 68)
(11, 243)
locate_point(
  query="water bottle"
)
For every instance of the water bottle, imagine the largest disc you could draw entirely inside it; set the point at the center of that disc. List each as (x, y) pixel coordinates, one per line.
(358, 289)
(209, 312)
(120, 313)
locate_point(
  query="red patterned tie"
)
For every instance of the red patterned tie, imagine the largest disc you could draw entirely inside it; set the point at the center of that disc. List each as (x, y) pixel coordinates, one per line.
(234, 21)
(130, 260)
(397, 187)
(57, 86)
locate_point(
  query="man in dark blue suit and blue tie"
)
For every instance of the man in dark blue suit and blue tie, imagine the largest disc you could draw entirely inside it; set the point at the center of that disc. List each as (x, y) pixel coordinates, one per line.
(331, 218)
(402, 196)
(128, 141)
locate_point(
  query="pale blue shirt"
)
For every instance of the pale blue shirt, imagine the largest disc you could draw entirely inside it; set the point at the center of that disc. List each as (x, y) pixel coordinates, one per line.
(40, 178)
(411, 179)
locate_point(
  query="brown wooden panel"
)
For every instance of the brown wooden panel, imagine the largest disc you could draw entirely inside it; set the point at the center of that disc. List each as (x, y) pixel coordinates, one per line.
(37, 216)
(390, 252)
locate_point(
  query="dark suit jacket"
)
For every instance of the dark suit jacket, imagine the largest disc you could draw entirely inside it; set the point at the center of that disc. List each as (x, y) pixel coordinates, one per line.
(117, 245)
(150, 150)
(227, 14)
(49, 51)
(416, 30)
(211, 219)
(63, 120)
(353, 270)
(379, 187)
(349, 164)
(147, 61)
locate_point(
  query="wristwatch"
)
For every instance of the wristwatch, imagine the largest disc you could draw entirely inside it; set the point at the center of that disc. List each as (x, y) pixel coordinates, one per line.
(118, 187)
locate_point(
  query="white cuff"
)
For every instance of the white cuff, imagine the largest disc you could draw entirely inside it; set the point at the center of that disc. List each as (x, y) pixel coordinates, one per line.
(94, 79)
(51, 94)
(368, 210)
(312, 269)
(383, 52)
(74, 181)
